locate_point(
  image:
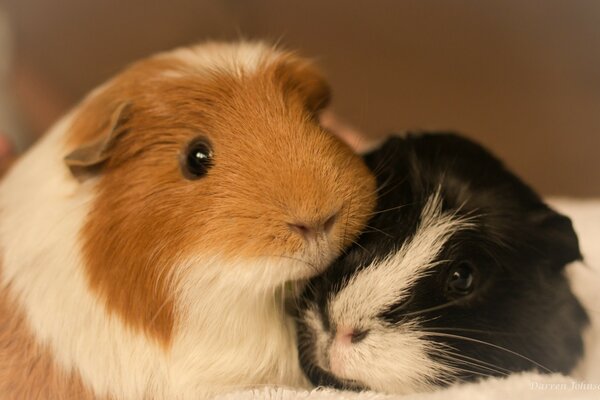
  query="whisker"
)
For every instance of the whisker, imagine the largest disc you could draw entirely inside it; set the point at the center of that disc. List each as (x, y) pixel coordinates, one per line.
(389, 190)
(346, 223)
(472, 364)
(392, 208)
(486, 332)
(468, 339)
(495, 368)
(355, 242)
(369, 228)
(434, 308)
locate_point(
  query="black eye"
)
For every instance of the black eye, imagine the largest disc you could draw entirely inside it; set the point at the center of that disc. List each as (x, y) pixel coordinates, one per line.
(197, 159)
(461, 279)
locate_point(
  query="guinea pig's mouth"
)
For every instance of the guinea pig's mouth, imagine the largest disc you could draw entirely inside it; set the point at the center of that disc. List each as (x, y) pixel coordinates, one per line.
(313, 260)
(289, 267)
(324, 375)
(306, 269)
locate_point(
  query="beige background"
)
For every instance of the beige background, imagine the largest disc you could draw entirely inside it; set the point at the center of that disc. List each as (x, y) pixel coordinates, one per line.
(523, 77)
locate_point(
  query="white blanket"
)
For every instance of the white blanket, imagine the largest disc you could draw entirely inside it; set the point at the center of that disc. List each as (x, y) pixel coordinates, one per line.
(584, 383)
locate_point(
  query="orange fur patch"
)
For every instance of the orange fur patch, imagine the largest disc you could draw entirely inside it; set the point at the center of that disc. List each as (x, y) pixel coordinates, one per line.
(273, 165)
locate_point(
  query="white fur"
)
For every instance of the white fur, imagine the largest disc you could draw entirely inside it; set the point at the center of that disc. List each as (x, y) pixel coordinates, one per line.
(234, 58)
(391, 360)
(236, 331)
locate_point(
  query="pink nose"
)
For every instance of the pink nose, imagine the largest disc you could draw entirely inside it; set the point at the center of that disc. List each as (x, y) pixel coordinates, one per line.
(310, 231)
(347, 335)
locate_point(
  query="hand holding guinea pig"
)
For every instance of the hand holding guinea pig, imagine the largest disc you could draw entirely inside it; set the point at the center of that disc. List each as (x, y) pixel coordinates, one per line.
(459, 275)
(146, 239)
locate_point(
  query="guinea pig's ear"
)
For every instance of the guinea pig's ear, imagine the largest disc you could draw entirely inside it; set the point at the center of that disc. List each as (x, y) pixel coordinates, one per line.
(301, 79)
(559, 240)
(87, 158)
(360, 142)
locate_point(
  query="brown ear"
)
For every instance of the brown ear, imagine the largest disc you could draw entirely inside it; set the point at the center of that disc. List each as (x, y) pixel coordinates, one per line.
(86, 159)
(301, 79)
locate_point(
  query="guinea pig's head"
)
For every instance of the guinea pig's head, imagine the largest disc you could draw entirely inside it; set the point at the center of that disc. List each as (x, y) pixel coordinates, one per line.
(209, 161)
(459, 275)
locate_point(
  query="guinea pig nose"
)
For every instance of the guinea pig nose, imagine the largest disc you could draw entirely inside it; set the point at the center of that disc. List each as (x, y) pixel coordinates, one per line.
(329, 223)
(307, 231)
(359, 335)
(349, 335)
(310, 231)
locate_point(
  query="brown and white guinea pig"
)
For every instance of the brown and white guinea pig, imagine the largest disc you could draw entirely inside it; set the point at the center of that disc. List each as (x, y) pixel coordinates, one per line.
(459, 275)
(146, 239)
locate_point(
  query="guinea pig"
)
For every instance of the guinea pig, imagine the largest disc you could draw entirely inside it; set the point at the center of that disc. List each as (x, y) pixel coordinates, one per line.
(147, 239)
(458, 276)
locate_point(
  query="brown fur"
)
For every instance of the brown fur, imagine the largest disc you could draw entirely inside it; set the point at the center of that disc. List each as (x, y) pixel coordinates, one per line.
(273, 165)
(27, 369)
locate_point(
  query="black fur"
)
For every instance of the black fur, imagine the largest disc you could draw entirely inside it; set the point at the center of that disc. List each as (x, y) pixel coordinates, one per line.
(518, 246)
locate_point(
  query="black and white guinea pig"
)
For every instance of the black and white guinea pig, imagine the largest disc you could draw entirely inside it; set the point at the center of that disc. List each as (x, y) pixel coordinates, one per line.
(459, 275)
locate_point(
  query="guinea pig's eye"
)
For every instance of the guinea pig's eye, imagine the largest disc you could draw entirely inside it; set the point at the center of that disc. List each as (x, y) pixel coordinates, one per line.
(461, 279)
(197, 159)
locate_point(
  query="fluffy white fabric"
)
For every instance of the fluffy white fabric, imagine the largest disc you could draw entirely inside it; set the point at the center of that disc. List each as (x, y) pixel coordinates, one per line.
(585, 380)
(523, 386)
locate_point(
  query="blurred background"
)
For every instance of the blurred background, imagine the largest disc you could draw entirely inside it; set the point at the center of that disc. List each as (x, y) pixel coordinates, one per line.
(522, 77)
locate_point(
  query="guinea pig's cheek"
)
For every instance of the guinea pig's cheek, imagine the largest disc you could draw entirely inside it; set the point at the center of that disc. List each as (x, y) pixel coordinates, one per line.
(397, 361)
